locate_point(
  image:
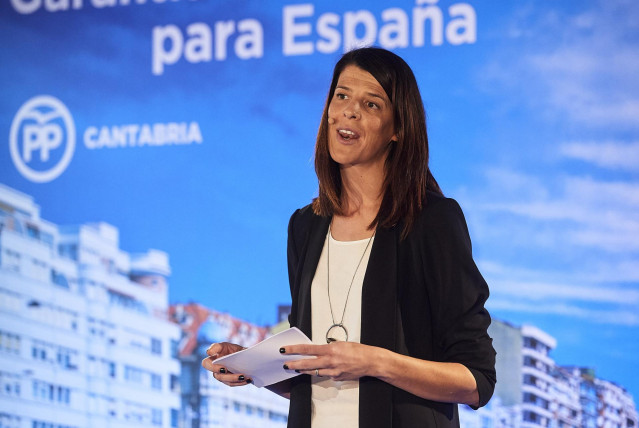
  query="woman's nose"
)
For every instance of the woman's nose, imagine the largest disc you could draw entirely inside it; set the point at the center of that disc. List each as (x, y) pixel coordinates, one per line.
(352, 111)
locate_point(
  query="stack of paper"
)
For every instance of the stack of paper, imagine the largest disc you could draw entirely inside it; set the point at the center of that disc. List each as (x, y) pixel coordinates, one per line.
(263, 362)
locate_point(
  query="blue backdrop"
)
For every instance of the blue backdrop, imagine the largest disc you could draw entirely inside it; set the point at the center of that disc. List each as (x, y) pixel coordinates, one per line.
(190, 125)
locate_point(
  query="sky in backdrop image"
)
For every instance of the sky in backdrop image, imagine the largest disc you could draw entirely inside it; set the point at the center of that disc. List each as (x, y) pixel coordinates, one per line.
(194, 124)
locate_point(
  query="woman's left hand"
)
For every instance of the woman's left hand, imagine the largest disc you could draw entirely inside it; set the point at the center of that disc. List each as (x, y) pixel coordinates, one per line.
(436, 381)
(337, 360)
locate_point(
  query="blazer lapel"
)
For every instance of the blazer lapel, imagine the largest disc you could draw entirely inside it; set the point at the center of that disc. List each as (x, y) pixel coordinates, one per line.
(379, 292)
(379, 319)
(319, 228)
(300, 404)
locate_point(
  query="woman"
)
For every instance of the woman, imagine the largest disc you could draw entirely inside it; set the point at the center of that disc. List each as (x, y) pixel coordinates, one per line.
(380, 268)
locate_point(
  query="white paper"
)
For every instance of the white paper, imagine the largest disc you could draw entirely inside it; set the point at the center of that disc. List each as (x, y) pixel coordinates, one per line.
(263, 362)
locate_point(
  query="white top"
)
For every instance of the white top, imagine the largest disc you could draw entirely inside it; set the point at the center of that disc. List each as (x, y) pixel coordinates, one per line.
(336, 404)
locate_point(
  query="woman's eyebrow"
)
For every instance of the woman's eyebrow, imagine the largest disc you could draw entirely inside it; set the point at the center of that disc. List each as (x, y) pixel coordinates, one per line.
(370, 94)
(376, 95)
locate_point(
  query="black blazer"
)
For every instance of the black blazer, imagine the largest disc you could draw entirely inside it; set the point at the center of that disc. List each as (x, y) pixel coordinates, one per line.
(422, 296)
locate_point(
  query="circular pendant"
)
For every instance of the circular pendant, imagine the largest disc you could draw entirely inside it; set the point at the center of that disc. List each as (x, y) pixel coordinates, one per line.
(336, 333)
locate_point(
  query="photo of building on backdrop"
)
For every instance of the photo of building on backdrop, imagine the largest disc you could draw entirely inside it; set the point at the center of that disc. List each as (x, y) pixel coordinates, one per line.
(153, 153)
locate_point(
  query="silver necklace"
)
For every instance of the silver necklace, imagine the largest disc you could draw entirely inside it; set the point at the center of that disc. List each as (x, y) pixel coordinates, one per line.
(336, 327)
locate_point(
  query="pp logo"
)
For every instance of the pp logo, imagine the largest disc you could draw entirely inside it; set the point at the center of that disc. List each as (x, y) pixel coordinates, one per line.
(42, 139)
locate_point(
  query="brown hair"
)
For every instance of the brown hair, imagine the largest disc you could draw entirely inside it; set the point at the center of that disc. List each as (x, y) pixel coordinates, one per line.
(408, 177)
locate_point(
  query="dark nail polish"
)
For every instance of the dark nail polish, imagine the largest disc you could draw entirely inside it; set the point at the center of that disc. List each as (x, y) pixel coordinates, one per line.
(282, 351)
(222, 370)
(241, 377)
(249, 380)
(285, 367)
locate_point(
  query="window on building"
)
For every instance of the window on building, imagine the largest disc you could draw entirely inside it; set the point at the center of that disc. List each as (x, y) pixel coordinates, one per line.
(277, 417)
(40, 390)
(33, 231)
(38, 270)
(69, 251)
(174, 418)
(9, 343)
(156, 346)
(175, 346)
(46, 238)
(156, 381)
(9, 385)
(175, 383)
(45, 391)
(156, 417)
(10, 301)
(59, 279)
(10, 421)
(132, 374)
(11, 260)
(531, 417)
(126, 302)
(111, 407)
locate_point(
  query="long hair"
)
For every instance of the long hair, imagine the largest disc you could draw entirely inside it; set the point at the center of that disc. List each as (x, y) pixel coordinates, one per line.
(407, 176)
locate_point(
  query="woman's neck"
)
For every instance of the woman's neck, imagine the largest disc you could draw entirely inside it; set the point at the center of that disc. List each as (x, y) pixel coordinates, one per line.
(362, 190)
(361, 197)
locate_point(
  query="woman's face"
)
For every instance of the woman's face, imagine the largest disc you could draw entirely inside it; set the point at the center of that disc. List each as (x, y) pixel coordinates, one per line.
(360, 120)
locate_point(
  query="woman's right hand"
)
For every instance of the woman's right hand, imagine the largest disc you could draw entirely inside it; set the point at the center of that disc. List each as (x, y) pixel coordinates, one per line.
(220, 372)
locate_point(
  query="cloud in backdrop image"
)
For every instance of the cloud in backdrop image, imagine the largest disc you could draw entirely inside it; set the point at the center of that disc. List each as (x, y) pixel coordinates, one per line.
(154, 151)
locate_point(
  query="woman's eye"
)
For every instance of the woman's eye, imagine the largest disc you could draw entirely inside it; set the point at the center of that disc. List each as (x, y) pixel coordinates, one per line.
(340, 96)
(372, 105)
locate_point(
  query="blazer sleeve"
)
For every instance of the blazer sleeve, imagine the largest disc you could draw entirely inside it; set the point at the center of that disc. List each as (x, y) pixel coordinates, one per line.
(458, 293)
(292, 257)
(299, 228)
